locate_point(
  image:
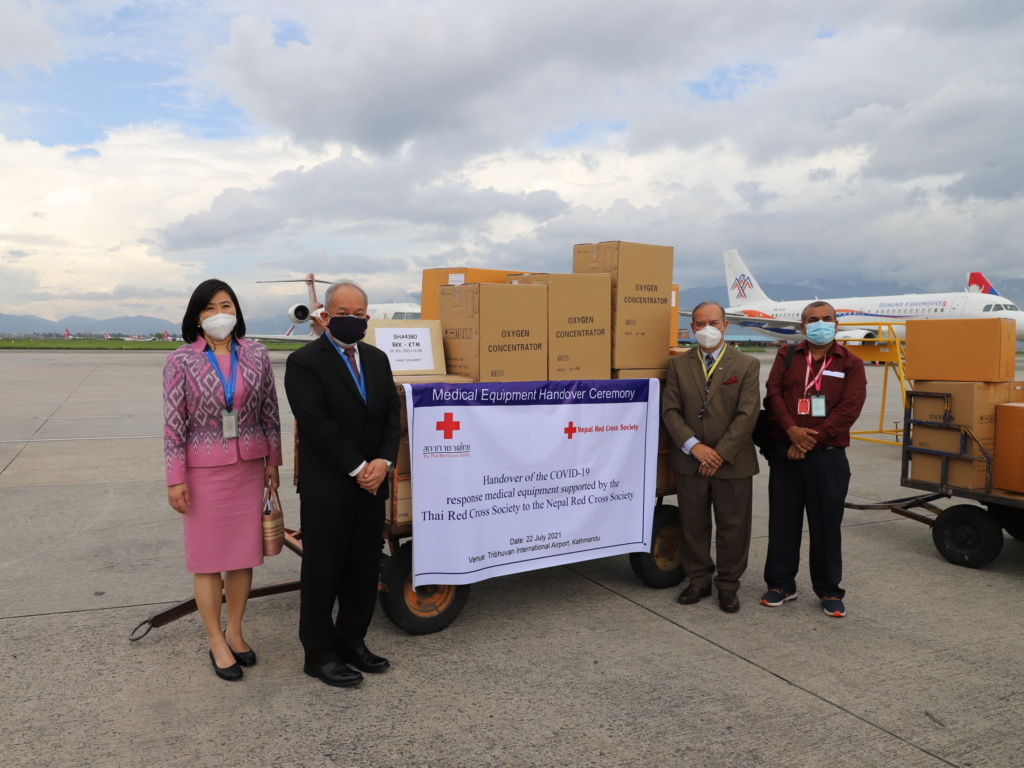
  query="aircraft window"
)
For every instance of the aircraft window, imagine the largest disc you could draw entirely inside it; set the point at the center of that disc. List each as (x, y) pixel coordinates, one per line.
(1012, 307)
(398, 316)
(412, 315)
(988, 308)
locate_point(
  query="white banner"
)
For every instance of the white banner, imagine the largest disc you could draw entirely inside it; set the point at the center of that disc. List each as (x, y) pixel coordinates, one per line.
(509, 477)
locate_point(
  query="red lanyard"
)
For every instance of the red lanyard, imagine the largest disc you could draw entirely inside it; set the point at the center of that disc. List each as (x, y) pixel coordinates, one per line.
(816, 381)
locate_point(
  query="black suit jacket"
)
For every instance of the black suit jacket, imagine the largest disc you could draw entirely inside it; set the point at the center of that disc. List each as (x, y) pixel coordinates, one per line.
(337, 430)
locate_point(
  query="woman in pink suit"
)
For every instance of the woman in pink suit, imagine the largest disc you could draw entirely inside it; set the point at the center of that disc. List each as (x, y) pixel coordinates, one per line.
(222, 447)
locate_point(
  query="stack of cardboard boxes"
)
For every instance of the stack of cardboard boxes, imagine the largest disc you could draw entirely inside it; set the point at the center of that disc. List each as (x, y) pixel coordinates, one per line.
(973, 363)
(607, 319)
(615, 316)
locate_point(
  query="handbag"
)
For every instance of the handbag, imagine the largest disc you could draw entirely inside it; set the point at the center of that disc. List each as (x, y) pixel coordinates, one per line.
(273, 523)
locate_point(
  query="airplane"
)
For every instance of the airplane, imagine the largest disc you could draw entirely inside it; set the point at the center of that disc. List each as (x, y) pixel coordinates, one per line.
(300, 313)
(68, 336)
(751, 308)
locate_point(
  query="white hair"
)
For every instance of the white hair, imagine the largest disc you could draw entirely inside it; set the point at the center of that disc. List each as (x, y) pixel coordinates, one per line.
(329, 293)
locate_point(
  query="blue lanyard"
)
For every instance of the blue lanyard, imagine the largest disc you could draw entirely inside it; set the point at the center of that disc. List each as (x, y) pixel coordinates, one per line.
(229, 386)
(361, 381)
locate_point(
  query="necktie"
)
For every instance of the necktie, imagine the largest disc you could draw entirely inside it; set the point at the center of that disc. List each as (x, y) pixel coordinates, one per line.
(709, 360)
(350, 353)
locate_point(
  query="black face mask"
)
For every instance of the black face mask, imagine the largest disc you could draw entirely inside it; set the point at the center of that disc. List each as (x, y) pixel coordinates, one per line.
(348, 329)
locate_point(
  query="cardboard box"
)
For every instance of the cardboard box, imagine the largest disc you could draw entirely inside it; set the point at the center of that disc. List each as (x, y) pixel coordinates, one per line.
(640, 373)
(435, 278)
(973, 405)
(579, 324)
(495, 332)
(641, 297)
(413, 346)
(961, 350)
(400, 510)
(673, 329)
(1008, 467)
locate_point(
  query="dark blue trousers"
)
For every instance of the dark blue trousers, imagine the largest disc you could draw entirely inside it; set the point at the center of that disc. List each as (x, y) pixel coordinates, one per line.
(816, 484)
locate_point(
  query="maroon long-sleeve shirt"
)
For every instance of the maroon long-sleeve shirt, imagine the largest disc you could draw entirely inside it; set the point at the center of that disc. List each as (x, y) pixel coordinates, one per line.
(844, 386)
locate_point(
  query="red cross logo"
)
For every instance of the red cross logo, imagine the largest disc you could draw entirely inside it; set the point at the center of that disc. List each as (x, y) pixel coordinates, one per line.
(570, 430)
(448, 425)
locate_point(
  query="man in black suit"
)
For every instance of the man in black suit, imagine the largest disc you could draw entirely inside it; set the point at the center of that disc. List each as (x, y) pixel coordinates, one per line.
(343, 397)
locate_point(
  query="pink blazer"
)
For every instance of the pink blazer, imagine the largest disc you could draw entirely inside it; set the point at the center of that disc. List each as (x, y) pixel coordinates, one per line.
(194, 398)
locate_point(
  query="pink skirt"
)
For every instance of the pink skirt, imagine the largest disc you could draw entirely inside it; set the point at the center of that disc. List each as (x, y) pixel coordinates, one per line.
(223, 526)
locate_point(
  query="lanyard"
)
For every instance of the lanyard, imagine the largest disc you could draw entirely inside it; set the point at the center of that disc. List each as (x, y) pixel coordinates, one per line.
(816, 381)
(360, 381)
(709, 371)
(229, 386)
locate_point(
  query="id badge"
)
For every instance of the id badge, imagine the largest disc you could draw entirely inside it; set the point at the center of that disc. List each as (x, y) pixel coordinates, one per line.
(818, 406)
(229, 423)
(803, 406)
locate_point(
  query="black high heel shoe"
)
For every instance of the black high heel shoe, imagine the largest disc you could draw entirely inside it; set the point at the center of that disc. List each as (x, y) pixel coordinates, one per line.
(234, 672)
(245, 658)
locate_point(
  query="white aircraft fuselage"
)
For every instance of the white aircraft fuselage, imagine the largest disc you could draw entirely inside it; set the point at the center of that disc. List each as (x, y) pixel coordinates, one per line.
(750, 308)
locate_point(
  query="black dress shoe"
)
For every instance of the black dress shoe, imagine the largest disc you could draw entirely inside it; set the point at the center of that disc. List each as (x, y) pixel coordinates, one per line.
(334, 673)
(361, 658)
(234, 672)
(245, 658)
(728, 601)
(693, 594)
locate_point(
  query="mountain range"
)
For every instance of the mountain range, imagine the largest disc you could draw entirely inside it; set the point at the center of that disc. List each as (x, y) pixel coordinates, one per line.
(144, 325)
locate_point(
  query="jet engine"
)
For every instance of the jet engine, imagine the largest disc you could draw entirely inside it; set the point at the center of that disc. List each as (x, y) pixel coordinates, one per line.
(856, 334)
(298, 314)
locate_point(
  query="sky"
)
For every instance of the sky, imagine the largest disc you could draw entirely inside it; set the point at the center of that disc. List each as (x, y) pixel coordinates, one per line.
(147, 146)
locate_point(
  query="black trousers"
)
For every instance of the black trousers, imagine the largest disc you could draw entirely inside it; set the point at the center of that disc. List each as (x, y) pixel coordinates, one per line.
(818, 484)
(341, 547)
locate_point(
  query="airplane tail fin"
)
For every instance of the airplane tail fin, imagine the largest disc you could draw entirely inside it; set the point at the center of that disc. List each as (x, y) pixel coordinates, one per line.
(67, 334)
(167, 336)
(741, 285)
(977, 283)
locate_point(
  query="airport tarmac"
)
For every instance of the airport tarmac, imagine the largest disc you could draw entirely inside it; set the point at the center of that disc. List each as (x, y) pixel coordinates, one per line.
(570, 666)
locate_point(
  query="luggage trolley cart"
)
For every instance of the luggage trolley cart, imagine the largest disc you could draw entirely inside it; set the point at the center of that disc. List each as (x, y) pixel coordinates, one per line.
(970, 535)
(431, 608)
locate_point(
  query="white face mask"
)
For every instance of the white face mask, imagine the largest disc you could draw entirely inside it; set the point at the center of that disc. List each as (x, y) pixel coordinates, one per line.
(709, 337)
(220, 326)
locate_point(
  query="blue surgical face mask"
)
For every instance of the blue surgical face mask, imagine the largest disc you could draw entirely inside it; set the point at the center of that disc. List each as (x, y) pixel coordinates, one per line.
(821, 332)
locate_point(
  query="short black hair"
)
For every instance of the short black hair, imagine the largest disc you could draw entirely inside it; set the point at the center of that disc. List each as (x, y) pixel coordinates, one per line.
(815, 305)
(200, 300)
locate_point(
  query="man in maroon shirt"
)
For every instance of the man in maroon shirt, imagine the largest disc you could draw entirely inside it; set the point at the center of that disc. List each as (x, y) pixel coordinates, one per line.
(813, 402)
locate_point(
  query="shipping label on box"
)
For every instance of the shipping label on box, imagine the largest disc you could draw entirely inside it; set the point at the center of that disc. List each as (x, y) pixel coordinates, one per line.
(413, 346)
(961, 350)
(641, 297)
(579, 323)
(495, 332)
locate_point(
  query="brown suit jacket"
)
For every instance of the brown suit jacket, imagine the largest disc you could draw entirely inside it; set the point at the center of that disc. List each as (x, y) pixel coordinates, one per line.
(730, 415)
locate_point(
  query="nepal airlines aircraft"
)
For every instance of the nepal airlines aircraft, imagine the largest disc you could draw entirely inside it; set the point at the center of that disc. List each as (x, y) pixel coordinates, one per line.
(750, 308)
(300, 313)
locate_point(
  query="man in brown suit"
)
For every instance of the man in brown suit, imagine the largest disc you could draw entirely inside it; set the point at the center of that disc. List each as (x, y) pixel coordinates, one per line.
(710, 406)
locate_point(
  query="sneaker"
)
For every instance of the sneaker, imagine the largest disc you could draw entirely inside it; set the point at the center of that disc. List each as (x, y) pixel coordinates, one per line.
(833, 606)
(773, 598)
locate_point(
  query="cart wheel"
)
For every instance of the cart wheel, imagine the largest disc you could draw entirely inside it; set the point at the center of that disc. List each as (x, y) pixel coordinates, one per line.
(1012, 520)
(967, 535)
(663, 566)
(418, 611)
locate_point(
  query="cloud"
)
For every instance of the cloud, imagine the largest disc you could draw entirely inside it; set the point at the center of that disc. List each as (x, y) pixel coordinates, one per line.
(26, 38)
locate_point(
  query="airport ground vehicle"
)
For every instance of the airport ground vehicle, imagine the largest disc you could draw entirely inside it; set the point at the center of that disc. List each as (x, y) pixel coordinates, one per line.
(970, 535)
